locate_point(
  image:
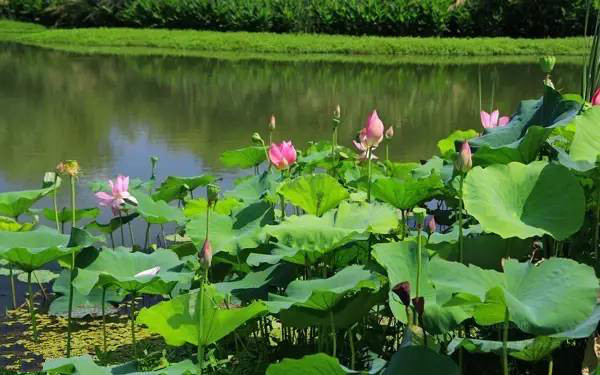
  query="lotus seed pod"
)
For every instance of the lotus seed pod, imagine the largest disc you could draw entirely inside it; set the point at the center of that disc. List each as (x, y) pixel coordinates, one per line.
(547, 63)
(420, 214)
(212, 194)
(68, 168)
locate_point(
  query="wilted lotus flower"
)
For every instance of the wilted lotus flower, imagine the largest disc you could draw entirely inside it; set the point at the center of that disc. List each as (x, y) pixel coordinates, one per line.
(464, 161)
(120, 195)
(272, 123)
(282, 155)
(389, 133)
(68, 167)
(206, 253)
(493, 120)
(419, 304)
(372, 134)
(596, 97)
(402, 290)
(149, 272)
(431, 224)
(363, 150)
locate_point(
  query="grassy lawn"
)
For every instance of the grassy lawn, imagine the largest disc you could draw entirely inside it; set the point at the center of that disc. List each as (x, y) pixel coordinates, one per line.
(286, 46)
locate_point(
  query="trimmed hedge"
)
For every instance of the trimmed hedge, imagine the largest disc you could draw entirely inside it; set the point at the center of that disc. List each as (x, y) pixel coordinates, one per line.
(514, 18)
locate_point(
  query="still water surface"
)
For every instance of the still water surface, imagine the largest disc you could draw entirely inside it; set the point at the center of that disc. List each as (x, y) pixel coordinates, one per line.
(112, 112)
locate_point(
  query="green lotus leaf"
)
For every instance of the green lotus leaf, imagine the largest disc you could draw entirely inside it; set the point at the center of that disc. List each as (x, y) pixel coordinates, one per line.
(179, 187)
(323, 294)
(315, 194)
(433, 166)
(232, 234)
(314, 364)
(90, 304)
(157, 212)
(114, 224)
(531, 350)
(177, 319)
(66, 215)
(523, 289)
(528, 129)
(120, 266)
(254, 188)
(565, 159)
(41, 276)
(418, 360)
(198, 206)
(400, 260)
(405, 194)
(31, 250)
(9, 224)
(255, 285)
(586, 142)
(403, 171)
(16, 203)
(85, 365)
(518, 200)
(244, 157)
(447, 145)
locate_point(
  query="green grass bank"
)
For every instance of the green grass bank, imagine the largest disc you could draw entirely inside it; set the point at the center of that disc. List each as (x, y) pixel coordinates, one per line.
(289, 46)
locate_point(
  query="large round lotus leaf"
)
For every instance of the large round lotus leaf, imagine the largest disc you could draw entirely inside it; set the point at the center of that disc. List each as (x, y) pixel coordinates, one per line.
(315, 194)
(323, 294)
(179, 187)
(157, 212)
(586, 143)
(530, 350)
(66, 214)
(555, 296)
(418, 360)
(198, 206)
(114, 224)
(314, 364)
(177, 320)
(85, 365)
(447, 145)
(255, 285)
(405, 194)
(518, 200)
(119, 268)
(244, 157)
(15, 203)
(33, 249)
(253, 188)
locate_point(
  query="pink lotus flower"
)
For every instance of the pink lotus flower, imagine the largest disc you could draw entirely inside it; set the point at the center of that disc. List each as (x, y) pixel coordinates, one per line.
(282, 155)
(206, 254)
(363, 149)
(372, 134)
(464, 161)
(493, 120)
(596, 97)
(119, 195)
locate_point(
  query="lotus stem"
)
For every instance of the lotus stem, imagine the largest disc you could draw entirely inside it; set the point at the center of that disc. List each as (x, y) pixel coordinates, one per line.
(40, 285)
(387, 151)
(12, 286)
(200, 353)
(505, 343)
(104, 347)
(131, 234)
(460, 219)
(419, 260)
(352, 349)
(550, 365)
(147, 239)
(55, 202)
(121, 227)
(72, 272)
(282, 207)
(333, 333)
(31, 308)
(597, 226)
(112, 240)
(132, 318)
(369, 153)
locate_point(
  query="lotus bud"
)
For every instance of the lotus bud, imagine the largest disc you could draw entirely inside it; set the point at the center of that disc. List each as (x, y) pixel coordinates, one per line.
(338, 112)
(596, 97)
(431, 224)
(257, 140)
(547, 63)
(212, 194)
(282, 155)
(419, 213)
(153, 162)
(68, 167)
(402, 290)
(419, 304)
(389, 133)
(272, 123)
(373, 131)
(206, 254)
(464, 161)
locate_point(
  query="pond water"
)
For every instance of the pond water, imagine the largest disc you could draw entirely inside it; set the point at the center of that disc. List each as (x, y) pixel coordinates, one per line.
(113, 112)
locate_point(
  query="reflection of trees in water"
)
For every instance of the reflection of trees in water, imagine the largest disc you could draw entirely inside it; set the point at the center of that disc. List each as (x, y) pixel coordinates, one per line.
(56, 105)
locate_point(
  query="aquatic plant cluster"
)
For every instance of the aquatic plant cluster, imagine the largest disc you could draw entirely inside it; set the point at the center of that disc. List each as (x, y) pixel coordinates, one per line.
(337, 259)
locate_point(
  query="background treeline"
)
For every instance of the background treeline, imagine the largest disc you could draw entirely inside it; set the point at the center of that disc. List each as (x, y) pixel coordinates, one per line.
(515, 18)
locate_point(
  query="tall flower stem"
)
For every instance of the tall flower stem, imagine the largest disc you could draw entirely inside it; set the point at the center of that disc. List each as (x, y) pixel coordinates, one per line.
(121, 226)
(352, 350)
(147, 237)
(32, 308)
(597, 222)
(131, 234)
(333, 333)
(369, 154)
(132, 318)
(419, 260)
(104, 348)
(55, 203)
(200, 352)
(505, 344)
(11, 276)
(387, 151)
(460, 219)
(72, 272)
(550, 365)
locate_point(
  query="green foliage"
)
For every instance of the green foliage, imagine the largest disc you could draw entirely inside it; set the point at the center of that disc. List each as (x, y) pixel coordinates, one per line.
(315, 194)
(315, 364)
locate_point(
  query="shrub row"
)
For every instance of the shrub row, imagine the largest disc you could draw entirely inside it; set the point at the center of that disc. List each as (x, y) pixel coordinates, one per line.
(515, 18)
